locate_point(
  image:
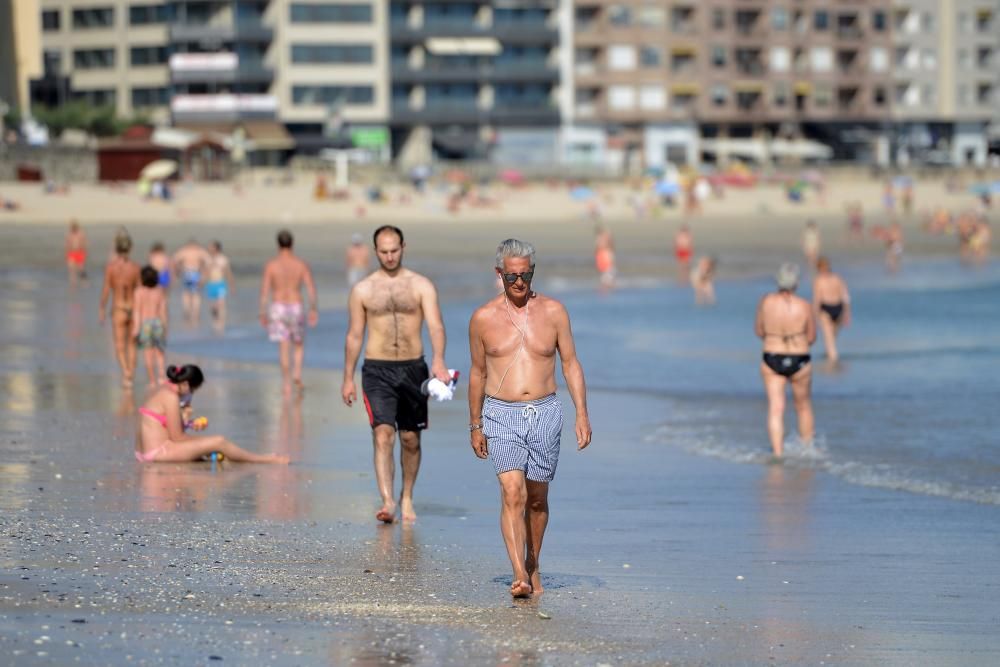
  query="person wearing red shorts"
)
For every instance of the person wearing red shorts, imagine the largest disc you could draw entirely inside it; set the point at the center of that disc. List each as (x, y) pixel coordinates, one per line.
(76, 253)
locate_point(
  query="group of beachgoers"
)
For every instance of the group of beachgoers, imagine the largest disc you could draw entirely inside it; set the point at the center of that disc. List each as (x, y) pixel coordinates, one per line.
(515, 417)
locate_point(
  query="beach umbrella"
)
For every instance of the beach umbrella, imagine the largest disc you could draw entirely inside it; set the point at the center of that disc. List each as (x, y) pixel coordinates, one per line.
(581, 193)
(665, 188)
(158, 170)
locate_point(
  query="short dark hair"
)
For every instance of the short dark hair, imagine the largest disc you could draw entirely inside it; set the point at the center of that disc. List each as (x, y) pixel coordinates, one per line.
(157, 247)
(387, 228)
(285, 239)
(218, 245)
(149, 277)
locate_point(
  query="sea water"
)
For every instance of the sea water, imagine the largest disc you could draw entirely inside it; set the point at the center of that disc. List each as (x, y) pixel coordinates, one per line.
(911, 406)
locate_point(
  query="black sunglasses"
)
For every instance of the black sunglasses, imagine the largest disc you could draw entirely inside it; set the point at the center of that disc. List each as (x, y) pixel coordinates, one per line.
(512, 277)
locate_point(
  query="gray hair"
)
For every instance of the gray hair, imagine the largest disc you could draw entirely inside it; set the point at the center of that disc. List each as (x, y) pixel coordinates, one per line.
(515, 248)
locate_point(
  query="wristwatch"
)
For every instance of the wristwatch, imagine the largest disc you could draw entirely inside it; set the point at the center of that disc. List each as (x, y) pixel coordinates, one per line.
(475, 427)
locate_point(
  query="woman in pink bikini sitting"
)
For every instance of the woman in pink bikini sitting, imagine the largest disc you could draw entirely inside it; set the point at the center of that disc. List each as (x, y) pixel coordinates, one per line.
(160, 436)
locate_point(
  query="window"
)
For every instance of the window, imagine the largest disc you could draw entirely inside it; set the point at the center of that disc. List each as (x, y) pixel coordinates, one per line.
(719, 18)
(964, 60)
(878, 59)
(964, 22)
(94, 58)
(50, 20)
(140, 56)
(349, 54)
(927, 21)
(652, 17)
(821, 59)
(331, 13)
(779, 18)
(719, 94)
(963, 95)
(780, 59)
(719, 56)
(929, 59)
(824, 94)
(650, 56)
(51, 63)
(619, 15)
(621, 57)
(150, 97)
(821, 20)
(929, 95)
(652, 98)
(148, 14)
(621, 97)
(94, 17)
(780, 94)
(326, 95)
(96, 98)
(878, 96)
(879, 23)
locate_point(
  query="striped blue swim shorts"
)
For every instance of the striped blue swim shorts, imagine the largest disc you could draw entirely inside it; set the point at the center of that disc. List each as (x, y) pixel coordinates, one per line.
(524, 436)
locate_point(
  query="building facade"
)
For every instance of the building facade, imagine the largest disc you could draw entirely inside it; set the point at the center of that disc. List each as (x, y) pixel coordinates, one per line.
(20, 52)
(623, 84)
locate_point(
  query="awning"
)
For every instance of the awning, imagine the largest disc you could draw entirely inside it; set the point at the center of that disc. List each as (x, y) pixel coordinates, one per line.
(802, 148)
(683, 50)
(802, 87)
(748, 86)
(685, 89)
(473, 46)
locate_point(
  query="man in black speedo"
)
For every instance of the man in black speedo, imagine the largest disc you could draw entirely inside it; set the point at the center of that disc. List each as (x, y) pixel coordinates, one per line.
(787, 326)
(393, 303)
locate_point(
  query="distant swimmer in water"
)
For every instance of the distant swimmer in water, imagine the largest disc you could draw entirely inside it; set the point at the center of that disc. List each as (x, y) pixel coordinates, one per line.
(604, 256)
(683, 252)
(831, 304)
(703, 281)
(894, 247)
(218, 284)
(787, 327)
(76, 253)
(810, 243)
(160, 260)
(190, 262)
(160, 436)
(357, 259)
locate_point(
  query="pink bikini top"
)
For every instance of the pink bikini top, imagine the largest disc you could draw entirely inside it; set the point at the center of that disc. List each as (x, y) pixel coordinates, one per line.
(155, 415)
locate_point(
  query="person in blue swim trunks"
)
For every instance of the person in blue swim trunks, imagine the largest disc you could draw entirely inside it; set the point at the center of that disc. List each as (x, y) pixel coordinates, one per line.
(160, 260)
(219, 278)
(190, 262)
(515, 416)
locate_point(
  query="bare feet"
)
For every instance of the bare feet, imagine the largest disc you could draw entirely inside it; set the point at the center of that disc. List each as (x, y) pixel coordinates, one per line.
(406, 509)
(535, 575)
(520, 589)
(387, 514)
(299, 387)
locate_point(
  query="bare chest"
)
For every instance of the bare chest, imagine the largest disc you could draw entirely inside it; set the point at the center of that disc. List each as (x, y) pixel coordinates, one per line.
(393, 300)
(503, 340)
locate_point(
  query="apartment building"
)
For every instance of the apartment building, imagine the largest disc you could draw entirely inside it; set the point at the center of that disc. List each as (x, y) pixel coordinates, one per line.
(475, 78)
(20, 53)
(652, 79)
(313, 69)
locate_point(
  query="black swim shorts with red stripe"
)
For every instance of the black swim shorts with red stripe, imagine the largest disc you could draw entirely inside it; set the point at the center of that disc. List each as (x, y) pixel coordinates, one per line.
(391, 390)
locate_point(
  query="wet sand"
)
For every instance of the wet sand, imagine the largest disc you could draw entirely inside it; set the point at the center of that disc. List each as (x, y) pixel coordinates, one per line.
(653, 556)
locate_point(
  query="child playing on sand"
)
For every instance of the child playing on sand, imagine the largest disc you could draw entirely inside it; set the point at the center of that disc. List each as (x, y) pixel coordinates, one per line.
(150, 323)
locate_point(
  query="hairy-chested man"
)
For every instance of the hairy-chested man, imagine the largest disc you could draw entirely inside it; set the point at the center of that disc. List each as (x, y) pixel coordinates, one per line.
(831, 305)
(76, 253)
(121, 277)
(515, 417)
(393, 303)
(282, 311)
(190, 261)
(786, 325)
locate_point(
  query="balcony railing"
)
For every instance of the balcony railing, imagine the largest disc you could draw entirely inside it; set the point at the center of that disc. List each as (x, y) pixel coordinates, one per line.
(850, 32)
(240, 31)
(508, 31)
(222, 107)
(439, 112)
(435, 72)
